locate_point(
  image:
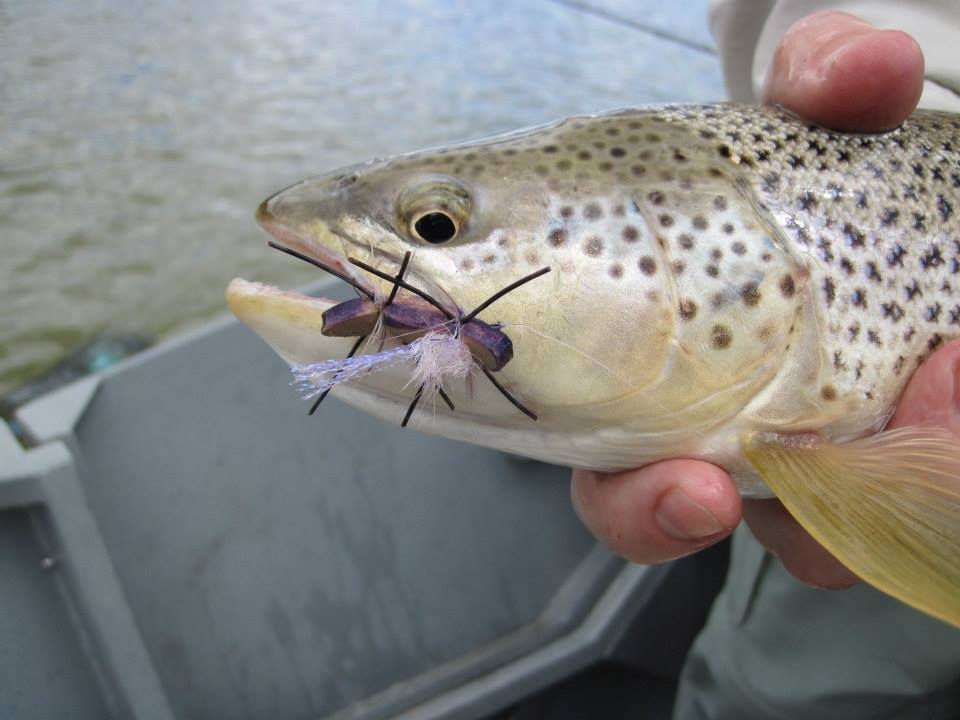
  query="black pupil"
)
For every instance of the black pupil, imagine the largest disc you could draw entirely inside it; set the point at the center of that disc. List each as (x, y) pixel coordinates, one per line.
(436, 227)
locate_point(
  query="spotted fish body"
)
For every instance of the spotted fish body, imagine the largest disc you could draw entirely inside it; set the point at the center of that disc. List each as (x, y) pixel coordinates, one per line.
(718, 274)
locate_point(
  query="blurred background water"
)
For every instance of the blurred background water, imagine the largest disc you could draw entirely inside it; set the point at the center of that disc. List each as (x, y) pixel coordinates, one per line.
(137, 138)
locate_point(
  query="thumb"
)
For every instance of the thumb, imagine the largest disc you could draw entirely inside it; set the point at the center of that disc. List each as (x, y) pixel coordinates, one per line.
(841, 72)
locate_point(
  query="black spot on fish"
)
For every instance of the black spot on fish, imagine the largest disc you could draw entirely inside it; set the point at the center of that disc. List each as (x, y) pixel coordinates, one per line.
(688, 309)
(656, 197)
(593, 246)
(630, 233)
(829, 291)
(665, 219)
(557, 237)
(679, 267)
(617, 152)
(685, 241)
(720, 337)
(872, 272)
(647, 265)
(592, 211)
(616, 271)
(828, 393)
(854, 236)
(700, 222)
(738, 248)
(932, 313)
(895, 256)
(566, 211)
(859, 298)
(931, 258)
(889, 217)
(847, 266)
(720, 202)
(750, 294)
(787, 286)
(806, 200)
(913, 290)
(824, 247)
(713, 271)
(838, 362)
(892, 311)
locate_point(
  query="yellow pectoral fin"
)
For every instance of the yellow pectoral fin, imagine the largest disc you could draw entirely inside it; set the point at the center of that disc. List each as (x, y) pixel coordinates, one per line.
(887, 506)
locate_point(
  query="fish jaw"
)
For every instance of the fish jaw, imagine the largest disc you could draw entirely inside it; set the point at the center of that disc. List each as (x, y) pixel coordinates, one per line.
(289, 322)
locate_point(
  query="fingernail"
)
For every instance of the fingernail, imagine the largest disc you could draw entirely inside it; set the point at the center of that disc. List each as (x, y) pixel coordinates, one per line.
(682, 518)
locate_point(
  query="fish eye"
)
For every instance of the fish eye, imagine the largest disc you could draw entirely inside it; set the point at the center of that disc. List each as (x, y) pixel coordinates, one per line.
(435, 228)
(435, 210)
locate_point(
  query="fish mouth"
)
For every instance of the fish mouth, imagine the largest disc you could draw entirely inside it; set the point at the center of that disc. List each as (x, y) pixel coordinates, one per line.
(398, 310)
(295, 324)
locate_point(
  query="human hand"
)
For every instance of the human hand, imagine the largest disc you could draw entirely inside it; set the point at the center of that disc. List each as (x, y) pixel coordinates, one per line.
(841, 72)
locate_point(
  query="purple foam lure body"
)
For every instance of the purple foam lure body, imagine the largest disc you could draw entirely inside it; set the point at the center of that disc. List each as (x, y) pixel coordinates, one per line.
(410, 318)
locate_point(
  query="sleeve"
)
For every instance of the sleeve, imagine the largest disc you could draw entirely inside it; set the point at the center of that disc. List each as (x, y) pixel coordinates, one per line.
(747, 31)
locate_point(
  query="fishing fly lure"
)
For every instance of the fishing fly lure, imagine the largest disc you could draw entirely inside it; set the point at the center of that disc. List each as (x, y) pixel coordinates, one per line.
(443, 345)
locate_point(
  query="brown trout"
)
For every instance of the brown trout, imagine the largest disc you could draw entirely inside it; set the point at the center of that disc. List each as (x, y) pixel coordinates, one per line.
(720, 282)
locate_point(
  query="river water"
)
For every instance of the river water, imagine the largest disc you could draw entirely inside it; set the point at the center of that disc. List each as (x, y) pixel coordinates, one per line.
(136, 138)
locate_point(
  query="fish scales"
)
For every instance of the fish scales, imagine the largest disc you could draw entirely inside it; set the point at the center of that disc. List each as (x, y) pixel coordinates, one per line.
(725, 282)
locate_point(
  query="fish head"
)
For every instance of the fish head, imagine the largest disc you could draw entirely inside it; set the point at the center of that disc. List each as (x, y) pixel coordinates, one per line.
(615, 338)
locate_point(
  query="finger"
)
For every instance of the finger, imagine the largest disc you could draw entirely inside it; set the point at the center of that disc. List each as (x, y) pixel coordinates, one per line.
(801, 555)
(659, 512)
(841, 72)
(932, 396)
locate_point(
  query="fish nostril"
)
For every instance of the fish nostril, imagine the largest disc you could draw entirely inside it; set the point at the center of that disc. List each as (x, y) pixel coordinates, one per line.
(344, 181)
